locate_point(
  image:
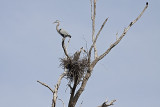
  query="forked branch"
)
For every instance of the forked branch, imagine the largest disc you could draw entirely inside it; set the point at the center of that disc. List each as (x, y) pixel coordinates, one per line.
(94, 42)
(55, 91)
(120, 38)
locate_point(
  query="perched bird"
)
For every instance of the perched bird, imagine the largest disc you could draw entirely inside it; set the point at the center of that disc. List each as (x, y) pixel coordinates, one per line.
(62, 32)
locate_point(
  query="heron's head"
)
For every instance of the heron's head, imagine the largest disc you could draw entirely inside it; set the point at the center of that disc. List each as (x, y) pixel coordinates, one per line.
(57, 21)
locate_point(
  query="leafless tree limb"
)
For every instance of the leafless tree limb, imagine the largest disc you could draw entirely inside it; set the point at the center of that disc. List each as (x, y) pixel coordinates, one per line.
(56, 89)
(107, 105)
(139, 15)
(93, 28)
(117, 36)
(68, 44)
(46, 86)
(91, 10)
(120, 38)
(64, 48)
(62, 102)
(94, 42)
(85, 51)
(100, 29)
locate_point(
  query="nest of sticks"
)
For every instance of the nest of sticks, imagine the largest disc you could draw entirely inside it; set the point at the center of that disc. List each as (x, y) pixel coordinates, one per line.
(76, 65)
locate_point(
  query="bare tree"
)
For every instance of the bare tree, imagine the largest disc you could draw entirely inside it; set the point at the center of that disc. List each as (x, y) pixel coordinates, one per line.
(79, 67)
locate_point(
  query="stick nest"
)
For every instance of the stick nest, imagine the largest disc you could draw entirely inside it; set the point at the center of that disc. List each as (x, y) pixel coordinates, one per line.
(77, 67)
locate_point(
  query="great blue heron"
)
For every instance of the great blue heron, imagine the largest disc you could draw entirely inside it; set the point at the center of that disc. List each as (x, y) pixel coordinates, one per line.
(62, 32)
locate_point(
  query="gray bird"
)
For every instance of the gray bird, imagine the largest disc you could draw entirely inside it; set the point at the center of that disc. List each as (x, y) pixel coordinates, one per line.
(62, 32)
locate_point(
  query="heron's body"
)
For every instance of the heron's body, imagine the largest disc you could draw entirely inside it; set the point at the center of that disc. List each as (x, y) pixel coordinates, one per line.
(62, 32)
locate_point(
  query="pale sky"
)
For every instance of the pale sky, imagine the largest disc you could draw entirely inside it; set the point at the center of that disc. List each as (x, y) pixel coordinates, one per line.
(30, 48)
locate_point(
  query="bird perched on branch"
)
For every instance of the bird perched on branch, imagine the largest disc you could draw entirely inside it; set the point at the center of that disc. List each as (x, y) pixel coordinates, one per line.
(62, 32)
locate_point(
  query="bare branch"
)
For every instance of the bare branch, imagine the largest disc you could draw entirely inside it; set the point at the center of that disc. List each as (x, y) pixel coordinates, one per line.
(94, 42)
(111, 103)
(120, 38)
(64, 48)
(100, 29)
(140, 14)
(93, 29)
(86, 46)
(62, 102)
(46, 86)
(68, 44)
(91, 10)
(107, 105)
(56, 89)
(117, 36)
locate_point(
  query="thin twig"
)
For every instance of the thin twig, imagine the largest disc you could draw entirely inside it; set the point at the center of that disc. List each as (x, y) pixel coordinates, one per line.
(117, 36)
(101, 29)
(111, 103)
(46, 86)
(107, 105)
(140, 14)
(62, 102)
(86, 45)
(56, 89)
(91, 10)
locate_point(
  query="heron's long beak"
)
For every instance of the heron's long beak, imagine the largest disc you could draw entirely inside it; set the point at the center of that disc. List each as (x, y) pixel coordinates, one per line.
(54, 22)
(57, 21)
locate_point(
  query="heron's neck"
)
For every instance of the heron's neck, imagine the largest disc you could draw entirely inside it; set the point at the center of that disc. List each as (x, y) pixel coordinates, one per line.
(57, 27)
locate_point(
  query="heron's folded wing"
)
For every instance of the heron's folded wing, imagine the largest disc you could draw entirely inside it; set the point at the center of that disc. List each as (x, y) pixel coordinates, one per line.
(62, 31)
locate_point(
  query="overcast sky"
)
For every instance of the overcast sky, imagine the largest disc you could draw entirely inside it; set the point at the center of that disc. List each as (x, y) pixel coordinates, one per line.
(30, 48)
